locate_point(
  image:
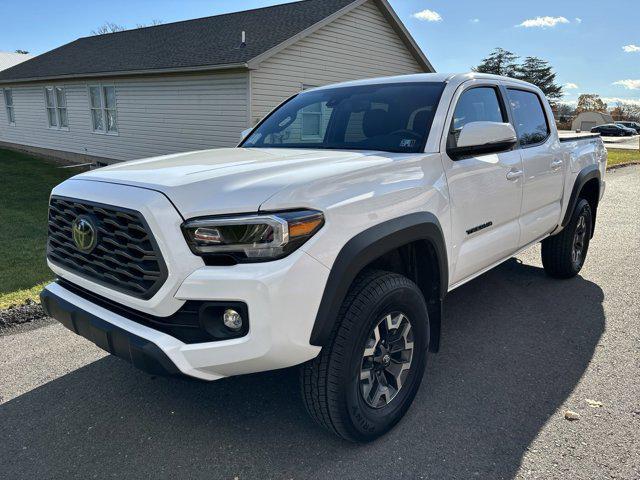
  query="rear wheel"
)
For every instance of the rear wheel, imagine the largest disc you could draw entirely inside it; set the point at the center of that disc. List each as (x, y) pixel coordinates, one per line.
(365, 379)
(563, 255)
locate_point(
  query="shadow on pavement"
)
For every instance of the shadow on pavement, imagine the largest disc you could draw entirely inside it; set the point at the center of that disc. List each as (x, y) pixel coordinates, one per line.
(515, 344)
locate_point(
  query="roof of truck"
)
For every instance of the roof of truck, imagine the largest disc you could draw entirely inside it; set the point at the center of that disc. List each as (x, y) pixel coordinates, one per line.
(427, 77)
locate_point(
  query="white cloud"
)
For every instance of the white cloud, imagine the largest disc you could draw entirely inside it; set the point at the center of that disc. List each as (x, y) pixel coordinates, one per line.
(631, 48)
(578, 20)
(543, 22)
(629, 84)
(611, 101)
(570, 86)
(428, 16)
(475, 20)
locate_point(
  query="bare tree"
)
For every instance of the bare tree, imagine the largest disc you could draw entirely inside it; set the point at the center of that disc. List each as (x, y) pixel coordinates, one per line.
(626, 111)
(108, 27)
(153, 23)
(590, 102)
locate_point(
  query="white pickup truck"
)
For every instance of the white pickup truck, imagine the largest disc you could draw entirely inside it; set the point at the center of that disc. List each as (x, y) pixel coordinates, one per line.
(328, 238)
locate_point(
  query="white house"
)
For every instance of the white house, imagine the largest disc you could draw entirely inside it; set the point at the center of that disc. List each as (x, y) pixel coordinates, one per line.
(9, 59)
(195, 84)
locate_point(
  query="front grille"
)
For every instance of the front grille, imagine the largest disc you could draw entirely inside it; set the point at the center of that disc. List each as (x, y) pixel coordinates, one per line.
(125, 258)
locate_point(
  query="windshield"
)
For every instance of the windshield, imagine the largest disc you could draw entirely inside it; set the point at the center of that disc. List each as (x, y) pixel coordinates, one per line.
(388, 117)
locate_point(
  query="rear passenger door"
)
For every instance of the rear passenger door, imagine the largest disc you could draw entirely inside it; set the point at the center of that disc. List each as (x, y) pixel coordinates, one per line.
(485, 190)
(542, 162)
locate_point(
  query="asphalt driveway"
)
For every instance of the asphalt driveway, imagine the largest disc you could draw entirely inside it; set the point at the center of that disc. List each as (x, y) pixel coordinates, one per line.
(519, 349)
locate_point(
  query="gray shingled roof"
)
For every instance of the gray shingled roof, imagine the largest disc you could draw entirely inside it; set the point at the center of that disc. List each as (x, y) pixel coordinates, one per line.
(203, 42)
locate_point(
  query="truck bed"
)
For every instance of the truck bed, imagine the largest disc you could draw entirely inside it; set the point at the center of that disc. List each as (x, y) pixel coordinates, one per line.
(569, 136)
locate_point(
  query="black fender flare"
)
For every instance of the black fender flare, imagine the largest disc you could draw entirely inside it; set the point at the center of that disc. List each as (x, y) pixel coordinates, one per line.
(368, 246)
(587, 173)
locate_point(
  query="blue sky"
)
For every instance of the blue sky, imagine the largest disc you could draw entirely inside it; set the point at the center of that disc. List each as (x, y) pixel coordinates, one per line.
(591, 45)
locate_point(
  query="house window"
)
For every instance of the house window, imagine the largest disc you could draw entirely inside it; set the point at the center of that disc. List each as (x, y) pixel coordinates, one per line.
(312, 121)
(55, 100)
(8, 103)
(104, 118)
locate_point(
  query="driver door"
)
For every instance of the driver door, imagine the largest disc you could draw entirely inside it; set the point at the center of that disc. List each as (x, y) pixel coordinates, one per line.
(485, 191)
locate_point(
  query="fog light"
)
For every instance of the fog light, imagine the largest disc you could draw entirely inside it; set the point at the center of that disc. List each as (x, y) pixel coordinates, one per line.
(232, 319)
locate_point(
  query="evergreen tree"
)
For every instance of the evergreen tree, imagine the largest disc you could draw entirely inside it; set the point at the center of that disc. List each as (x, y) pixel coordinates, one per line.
(499, 62)
(539, 72)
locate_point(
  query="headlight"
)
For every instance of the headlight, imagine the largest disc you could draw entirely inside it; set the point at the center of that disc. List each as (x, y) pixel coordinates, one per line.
(257, 237)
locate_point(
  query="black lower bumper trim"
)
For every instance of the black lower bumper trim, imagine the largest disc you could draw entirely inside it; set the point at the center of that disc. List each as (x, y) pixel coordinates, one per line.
(141, 353)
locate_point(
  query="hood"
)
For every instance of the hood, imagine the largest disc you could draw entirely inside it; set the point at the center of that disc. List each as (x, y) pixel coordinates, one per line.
(233, 180)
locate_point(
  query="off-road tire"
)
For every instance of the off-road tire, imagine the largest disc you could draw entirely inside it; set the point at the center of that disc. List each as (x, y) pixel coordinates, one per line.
(558, 257)
(331, 385)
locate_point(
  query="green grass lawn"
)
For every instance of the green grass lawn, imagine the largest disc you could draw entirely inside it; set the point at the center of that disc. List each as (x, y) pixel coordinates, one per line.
(24, 195)
(617, 157)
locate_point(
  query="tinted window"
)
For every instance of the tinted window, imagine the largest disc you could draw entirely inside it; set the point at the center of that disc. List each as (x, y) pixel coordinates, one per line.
(387, 117)
(477, 105)
(528, 115)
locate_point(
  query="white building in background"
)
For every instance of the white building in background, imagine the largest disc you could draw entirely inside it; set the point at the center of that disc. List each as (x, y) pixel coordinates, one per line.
(195, 84)
(10, 59)
(585, 121)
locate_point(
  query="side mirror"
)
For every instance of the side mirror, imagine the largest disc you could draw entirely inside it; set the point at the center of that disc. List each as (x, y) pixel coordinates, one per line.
(245, 133)
(483, 138)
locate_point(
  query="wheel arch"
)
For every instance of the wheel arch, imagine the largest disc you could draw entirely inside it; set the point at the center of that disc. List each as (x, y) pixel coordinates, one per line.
(413, 234)
(587, 186)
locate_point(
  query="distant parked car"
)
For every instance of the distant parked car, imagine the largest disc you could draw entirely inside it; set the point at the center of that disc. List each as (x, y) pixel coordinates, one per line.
(632, 125)
(613, 130)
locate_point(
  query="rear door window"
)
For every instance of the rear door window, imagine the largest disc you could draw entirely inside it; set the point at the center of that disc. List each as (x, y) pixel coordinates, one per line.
(529, 117)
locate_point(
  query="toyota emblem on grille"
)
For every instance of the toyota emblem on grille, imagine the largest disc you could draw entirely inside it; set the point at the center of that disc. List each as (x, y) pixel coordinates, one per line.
(84, 233)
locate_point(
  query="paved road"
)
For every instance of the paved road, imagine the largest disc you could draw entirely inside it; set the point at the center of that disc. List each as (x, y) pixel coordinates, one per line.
(519, 349)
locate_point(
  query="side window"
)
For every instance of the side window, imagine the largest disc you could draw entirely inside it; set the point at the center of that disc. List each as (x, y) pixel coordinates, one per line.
(102, 101)
(8, 103)
(56, 105)
(480, 104)
(528, 114)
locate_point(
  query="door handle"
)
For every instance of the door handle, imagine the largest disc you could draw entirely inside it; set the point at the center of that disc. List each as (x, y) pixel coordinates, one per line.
(557, 164)
(514, 175)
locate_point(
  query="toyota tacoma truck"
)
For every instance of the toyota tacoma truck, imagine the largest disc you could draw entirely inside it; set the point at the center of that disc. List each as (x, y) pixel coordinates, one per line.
(328, 238)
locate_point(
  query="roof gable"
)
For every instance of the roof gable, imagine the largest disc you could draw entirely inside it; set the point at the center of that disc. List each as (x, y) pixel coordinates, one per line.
(191, 44)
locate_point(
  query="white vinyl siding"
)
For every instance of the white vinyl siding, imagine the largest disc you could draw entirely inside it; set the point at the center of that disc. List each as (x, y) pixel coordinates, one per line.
(55, 101)
(8, 105)
(155, 116)
(360, 44)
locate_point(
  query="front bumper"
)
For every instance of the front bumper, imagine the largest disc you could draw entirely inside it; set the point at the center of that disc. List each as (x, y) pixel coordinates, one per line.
(282, 298)
(136, 350)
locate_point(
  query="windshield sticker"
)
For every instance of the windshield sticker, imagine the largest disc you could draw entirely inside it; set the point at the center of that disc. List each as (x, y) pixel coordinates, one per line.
(407, 143)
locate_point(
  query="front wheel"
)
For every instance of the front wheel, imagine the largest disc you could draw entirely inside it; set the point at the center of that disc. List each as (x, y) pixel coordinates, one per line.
(365, 379)
(563, 255)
